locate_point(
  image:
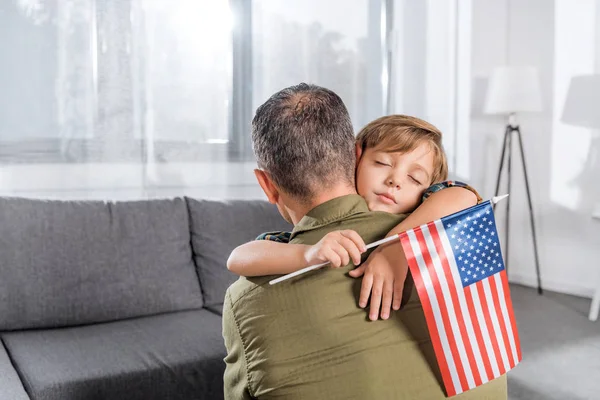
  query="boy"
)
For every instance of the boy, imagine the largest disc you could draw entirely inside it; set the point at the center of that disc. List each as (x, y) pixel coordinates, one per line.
(400, 162)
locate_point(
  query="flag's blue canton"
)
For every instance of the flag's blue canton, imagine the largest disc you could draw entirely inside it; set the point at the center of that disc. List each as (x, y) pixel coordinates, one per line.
(475, 243)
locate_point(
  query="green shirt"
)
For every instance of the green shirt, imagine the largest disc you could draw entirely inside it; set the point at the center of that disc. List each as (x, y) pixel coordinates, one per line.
(306, 338)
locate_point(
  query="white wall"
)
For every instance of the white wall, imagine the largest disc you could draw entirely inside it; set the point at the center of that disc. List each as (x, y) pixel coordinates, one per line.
(558, 37)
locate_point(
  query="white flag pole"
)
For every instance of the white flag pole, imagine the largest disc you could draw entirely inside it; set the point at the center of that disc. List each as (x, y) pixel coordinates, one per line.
(494, 200)
(317, 266)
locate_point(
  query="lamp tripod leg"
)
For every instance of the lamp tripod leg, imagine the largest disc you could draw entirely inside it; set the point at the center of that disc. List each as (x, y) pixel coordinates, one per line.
(534, 236)
(506, 133)
(508, 190)
(505, 146)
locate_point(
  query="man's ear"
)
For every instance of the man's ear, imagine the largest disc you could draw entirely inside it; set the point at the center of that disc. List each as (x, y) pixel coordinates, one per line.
(265, 182)
(359, 152)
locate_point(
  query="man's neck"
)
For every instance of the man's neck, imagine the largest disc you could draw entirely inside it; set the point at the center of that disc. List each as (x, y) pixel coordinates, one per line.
(297, 211)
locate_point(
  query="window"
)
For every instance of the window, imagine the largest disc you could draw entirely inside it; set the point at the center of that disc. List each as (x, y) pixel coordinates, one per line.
(185, 76)
(115, 99)
(311, 41)
(141, 98)
(119, 81)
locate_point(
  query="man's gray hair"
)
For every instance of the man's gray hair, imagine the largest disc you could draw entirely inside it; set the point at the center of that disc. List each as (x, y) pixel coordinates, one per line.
(303, 137)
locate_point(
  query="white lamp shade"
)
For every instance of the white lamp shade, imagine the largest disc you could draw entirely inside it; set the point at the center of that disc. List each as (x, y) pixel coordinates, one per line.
(513, 90)
(582, 107)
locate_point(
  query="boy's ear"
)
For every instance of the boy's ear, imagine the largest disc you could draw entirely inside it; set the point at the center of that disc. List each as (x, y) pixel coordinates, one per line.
(265, 182)
(359, 152)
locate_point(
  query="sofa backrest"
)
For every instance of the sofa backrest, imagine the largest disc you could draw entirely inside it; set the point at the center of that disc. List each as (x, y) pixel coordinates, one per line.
(220, 226)
(70, 263)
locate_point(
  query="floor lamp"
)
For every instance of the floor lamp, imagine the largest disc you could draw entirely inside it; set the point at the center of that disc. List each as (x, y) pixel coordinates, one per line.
(581, 109)
(511, 91)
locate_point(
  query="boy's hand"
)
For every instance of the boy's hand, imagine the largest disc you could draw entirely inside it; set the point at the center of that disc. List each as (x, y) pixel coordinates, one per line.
(337, 248)
(384, 274)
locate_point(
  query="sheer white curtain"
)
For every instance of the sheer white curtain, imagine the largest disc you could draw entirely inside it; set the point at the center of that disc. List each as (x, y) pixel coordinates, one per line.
(148, 98)
(126, 99)
(336, 44)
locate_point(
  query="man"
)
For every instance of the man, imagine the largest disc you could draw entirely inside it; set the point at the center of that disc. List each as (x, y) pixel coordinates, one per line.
(308, 338)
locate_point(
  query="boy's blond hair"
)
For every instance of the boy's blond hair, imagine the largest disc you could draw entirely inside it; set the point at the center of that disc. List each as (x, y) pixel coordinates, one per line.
(402, 133)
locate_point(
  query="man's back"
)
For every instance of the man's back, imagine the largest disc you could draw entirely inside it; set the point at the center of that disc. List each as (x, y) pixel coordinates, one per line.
(308, 339)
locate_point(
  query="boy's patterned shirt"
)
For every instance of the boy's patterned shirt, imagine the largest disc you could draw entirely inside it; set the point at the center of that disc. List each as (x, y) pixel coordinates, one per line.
(448, 184)
(281, 237)
(284, 237)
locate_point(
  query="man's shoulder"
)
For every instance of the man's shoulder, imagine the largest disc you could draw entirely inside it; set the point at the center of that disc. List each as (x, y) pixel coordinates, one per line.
(244, 286)
(368, 216)
(370, 225)
(372, 222)
(384, 216)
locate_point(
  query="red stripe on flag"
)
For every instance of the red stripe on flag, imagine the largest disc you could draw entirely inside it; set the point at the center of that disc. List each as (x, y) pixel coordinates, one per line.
(443, 309)
(454, 295)
(490, 327)
(496, 301)
(429, 318)
(511, 313)
(482, 349)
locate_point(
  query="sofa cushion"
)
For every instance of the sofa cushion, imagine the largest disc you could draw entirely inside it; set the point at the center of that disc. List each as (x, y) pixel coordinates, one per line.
(71, 263)
(168, 356)
(217, 228)
(216, 308)
(11, 387)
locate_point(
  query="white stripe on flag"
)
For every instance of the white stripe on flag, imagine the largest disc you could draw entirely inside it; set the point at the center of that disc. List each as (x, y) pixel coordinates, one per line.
(509, 331)
(463, 302)
(484, 331)
(414, 243)
(439, 270)
(495, 322)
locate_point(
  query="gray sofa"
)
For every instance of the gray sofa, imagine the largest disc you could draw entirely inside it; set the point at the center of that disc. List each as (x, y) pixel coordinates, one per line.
(118, 300)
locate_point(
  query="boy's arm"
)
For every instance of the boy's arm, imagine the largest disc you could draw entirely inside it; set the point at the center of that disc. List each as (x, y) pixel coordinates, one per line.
(265, 257)
(386, 268)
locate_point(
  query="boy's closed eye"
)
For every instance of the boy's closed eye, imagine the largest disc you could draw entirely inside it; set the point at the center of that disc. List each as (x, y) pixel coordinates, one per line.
(382, 163)
(415, 180)
(419, 175)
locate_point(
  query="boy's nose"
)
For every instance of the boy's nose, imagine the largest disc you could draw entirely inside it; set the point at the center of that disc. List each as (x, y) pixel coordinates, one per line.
(393, 184)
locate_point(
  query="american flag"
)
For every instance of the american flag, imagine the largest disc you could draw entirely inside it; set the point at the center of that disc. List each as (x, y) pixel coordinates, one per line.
(459, 274)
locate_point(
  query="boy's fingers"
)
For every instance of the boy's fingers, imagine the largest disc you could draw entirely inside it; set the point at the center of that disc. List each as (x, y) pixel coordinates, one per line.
(365, 290)
(358, 272)
(355, 237)
(376, 293)
(332, 257)
(398, 289)
(351, 248)
(342, 254)
(386, 301)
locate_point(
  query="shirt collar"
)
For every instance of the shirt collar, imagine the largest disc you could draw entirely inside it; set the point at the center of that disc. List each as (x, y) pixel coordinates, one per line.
(331, 211)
